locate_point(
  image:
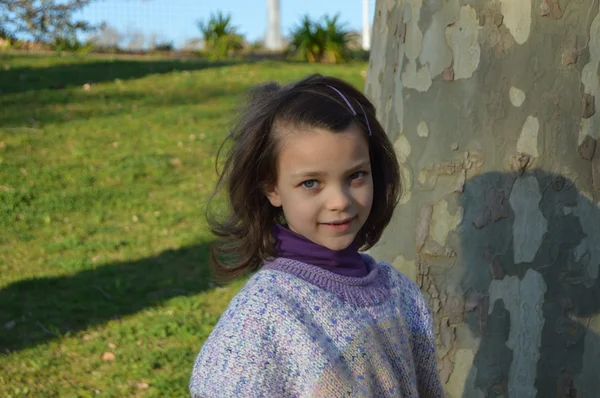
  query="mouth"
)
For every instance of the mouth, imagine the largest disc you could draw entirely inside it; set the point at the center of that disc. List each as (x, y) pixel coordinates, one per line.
(339, 225)
(340, 222)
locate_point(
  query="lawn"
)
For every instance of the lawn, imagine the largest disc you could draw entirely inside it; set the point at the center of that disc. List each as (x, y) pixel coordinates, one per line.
(105, 168)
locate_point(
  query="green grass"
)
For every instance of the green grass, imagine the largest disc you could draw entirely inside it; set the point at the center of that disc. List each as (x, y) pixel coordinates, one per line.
(103, 245)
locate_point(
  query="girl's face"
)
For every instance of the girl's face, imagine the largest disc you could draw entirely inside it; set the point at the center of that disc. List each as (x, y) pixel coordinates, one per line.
(324, 184)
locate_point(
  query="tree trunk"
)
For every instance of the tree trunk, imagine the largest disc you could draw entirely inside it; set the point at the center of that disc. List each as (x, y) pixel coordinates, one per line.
(273, 39)
(366, 30)
(492, 108)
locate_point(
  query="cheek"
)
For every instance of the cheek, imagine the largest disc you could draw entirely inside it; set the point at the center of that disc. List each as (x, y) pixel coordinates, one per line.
(297, 204)
(364, 196)
(367, 194)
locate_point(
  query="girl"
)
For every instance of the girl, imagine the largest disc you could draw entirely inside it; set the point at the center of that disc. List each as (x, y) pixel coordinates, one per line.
(311, 178)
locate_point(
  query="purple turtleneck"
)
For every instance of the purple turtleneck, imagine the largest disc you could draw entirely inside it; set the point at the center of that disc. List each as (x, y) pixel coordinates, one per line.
(345, 262)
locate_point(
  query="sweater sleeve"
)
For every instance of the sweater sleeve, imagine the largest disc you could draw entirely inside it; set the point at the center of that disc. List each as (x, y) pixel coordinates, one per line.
(239, 358)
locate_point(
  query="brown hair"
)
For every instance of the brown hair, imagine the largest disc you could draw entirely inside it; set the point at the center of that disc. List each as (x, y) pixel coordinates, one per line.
(244, 234)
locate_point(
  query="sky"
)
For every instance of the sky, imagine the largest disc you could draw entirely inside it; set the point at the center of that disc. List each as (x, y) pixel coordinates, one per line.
(176, 20)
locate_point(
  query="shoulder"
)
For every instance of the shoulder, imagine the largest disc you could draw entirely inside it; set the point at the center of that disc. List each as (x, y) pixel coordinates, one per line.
(397, 279)
(241, 352)
(264, 289)
(262, 299)
(411, 300)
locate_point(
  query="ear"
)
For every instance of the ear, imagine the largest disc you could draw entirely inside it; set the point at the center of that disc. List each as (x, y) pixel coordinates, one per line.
(272, 193)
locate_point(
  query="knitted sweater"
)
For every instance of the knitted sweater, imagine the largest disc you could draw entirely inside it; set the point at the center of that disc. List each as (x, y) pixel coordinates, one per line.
(335, 336)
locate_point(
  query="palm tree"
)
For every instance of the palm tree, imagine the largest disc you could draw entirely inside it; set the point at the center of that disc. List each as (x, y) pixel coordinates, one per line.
(220, 37)
(336, 40)
(308, 40)
(325, 40)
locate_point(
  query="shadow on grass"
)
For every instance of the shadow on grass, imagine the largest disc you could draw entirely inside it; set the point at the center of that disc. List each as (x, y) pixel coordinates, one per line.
(23, 79)
(40, 309)
(54, 94)
(80, 105)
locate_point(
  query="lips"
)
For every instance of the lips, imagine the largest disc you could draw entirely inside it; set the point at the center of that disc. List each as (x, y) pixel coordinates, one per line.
(340, 222)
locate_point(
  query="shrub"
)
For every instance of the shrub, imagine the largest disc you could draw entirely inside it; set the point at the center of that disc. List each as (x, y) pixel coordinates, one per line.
(221, 39)
(325, 40)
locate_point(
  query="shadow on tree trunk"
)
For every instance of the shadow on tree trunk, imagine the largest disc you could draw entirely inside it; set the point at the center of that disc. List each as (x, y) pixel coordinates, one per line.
(531, 252)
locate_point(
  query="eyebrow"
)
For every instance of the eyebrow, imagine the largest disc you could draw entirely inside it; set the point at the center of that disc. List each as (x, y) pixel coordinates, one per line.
(314, 173)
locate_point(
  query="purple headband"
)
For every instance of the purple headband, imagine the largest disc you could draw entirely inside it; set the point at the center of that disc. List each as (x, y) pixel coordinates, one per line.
(351, 108)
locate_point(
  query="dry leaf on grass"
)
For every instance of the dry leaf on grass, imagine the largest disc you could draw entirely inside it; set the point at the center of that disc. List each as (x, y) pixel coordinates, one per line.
(142, 385)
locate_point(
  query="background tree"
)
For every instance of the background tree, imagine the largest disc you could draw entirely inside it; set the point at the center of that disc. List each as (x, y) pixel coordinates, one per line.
(336, 39)
(220, 37)
(107, 37)
(307, 41)
(135, 39)
(42, 20)
(492, 108)
(325, 40)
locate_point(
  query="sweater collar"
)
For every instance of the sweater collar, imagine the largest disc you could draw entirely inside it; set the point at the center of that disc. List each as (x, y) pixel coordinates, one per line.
(346, 262)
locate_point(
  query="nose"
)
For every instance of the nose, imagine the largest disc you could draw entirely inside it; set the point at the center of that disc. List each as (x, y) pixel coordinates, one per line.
(338, 199)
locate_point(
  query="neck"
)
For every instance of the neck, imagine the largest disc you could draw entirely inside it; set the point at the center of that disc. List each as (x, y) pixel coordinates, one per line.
(346, 262)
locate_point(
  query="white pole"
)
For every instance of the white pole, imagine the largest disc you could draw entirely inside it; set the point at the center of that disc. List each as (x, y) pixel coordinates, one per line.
(273, 40)
(366, 31)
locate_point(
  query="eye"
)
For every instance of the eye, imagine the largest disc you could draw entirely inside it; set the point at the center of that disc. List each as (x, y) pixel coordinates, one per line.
(356, 175)
(309, 184)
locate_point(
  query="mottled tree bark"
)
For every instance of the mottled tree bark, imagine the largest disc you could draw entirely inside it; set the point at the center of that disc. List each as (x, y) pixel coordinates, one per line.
(493, 109)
